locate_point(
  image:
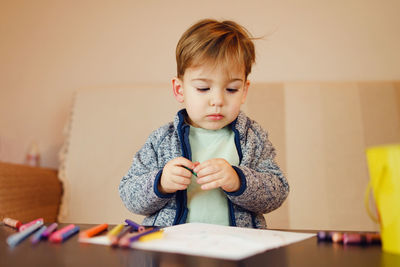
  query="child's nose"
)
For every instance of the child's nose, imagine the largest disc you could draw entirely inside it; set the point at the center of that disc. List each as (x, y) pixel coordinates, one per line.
(217, 99)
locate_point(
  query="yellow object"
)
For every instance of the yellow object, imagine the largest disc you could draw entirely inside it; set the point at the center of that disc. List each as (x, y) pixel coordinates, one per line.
(115, 231)
(152, 236)
(384, 170)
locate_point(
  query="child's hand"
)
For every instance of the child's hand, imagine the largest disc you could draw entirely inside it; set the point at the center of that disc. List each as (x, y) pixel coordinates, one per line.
(216, 173)
(174, 176)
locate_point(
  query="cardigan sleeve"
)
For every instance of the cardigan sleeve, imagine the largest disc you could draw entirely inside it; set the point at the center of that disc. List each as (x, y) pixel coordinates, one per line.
(263, 186)
(138, 188)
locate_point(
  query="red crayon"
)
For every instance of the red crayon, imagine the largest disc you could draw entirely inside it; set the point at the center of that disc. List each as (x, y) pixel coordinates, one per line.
(65, 235)
(12, 223)
(125, 241)
(57, 235)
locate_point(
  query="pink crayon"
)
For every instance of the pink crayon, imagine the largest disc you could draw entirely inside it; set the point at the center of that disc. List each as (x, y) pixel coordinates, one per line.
(57, 235)
(27, 225)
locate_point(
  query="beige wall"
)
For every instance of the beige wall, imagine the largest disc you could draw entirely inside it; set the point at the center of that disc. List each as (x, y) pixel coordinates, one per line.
(48, 49)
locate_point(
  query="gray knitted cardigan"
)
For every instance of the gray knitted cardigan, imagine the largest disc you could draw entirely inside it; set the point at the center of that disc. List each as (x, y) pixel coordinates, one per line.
(263, 186)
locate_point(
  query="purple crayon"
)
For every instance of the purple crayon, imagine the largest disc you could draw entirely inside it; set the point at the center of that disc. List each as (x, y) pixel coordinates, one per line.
(324, 236)
(137, 227)
(127, 240)
(49, 230)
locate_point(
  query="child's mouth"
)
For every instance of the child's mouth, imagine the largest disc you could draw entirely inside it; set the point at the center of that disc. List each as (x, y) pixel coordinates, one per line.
(215, 117)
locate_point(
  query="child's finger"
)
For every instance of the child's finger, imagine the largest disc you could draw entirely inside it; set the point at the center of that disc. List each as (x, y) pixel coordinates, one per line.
(209, 165)
(181, 161)
(182, 172)
(207, 179)
(211, 185)
(181, 180)
(205, 170)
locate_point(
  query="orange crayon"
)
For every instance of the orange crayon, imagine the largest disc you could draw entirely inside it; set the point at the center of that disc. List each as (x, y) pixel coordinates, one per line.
(93, 231)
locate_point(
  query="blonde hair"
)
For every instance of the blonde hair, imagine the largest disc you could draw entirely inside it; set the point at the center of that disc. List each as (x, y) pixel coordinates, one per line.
(223, 42)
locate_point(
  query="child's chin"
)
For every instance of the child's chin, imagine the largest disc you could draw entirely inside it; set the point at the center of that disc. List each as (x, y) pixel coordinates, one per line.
(214, 126)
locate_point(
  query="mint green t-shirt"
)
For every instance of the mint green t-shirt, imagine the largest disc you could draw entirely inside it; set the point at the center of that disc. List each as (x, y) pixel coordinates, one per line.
(210, 206)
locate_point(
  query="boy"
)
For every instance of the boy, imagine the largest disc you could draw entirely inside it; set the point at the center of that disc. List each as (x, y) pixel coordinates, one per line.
(212, 164)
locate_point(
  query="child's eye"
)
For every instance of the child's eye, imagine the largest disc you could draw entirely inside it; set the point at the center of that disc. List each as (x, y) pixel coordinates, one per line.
(232, 90)
(203, 89)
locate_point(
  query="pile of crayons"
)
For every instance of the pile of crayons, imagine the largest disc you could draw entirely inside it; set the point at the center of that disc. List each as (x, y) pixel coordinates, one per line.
(349, 238)
(39, 231)
(121, 235)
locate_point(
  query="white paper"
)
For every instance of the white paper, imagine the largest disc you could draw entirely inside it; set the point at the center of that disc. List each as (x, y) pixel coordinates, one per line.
(215, 241)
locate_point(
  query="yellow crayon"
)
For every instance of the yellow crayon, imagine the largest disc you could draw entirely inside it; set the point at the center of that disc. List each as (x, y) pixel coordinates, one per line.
(152, 236)
(115, 231)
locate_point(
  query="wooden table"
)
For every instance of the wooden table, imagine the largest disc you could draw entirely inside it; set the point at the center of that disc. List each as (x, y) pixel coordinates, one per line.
(72, 253)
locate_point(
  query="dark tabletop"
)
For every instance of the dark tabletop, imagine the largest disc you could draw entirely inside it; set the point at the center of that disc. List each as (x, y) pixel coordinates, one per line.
(309, 252)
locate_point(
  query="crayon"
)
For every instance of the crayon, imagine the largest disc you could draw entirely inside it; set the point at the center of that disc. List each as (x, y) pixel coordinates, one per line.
(26, 225)
(65, 235)
(337, 237)
(93, 231)
(115, 239)
(49, 230)
(148, 231)
(15, 239)
(324, 236)
(70, 233)
(374, 237)
(57, 235)
(152, 236)
(136, 227)
(115, 231)
(126, 241)
(12, 223)
(360, 239)
(195, 174)
(36, 237)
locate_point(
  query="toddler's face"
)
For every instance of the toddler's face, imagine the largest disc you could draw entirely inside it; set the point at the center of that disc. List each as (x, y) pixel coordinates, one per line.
(212, 95)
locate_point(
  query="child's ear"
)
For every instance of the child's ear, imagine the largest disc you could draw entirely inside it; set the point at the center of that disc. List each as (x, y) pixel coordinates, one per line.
(245, 90)
(177, 87)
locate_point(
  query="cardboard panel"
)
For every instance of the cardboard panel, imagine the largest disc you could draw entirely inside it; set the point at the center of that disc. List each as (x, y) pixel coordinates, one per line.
(108, 127)
(325, 156)
(266, 105)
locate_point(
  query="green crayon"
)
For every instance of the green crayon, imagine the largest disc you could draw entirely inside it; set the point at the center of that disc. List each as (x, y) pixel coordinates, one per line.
(195, 174)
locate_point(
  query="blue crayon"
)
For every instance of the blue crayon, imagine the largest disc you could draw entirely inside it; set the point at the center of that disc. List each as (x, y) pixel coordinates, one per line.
(69, 233)
(38, 235)
(15, 239)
